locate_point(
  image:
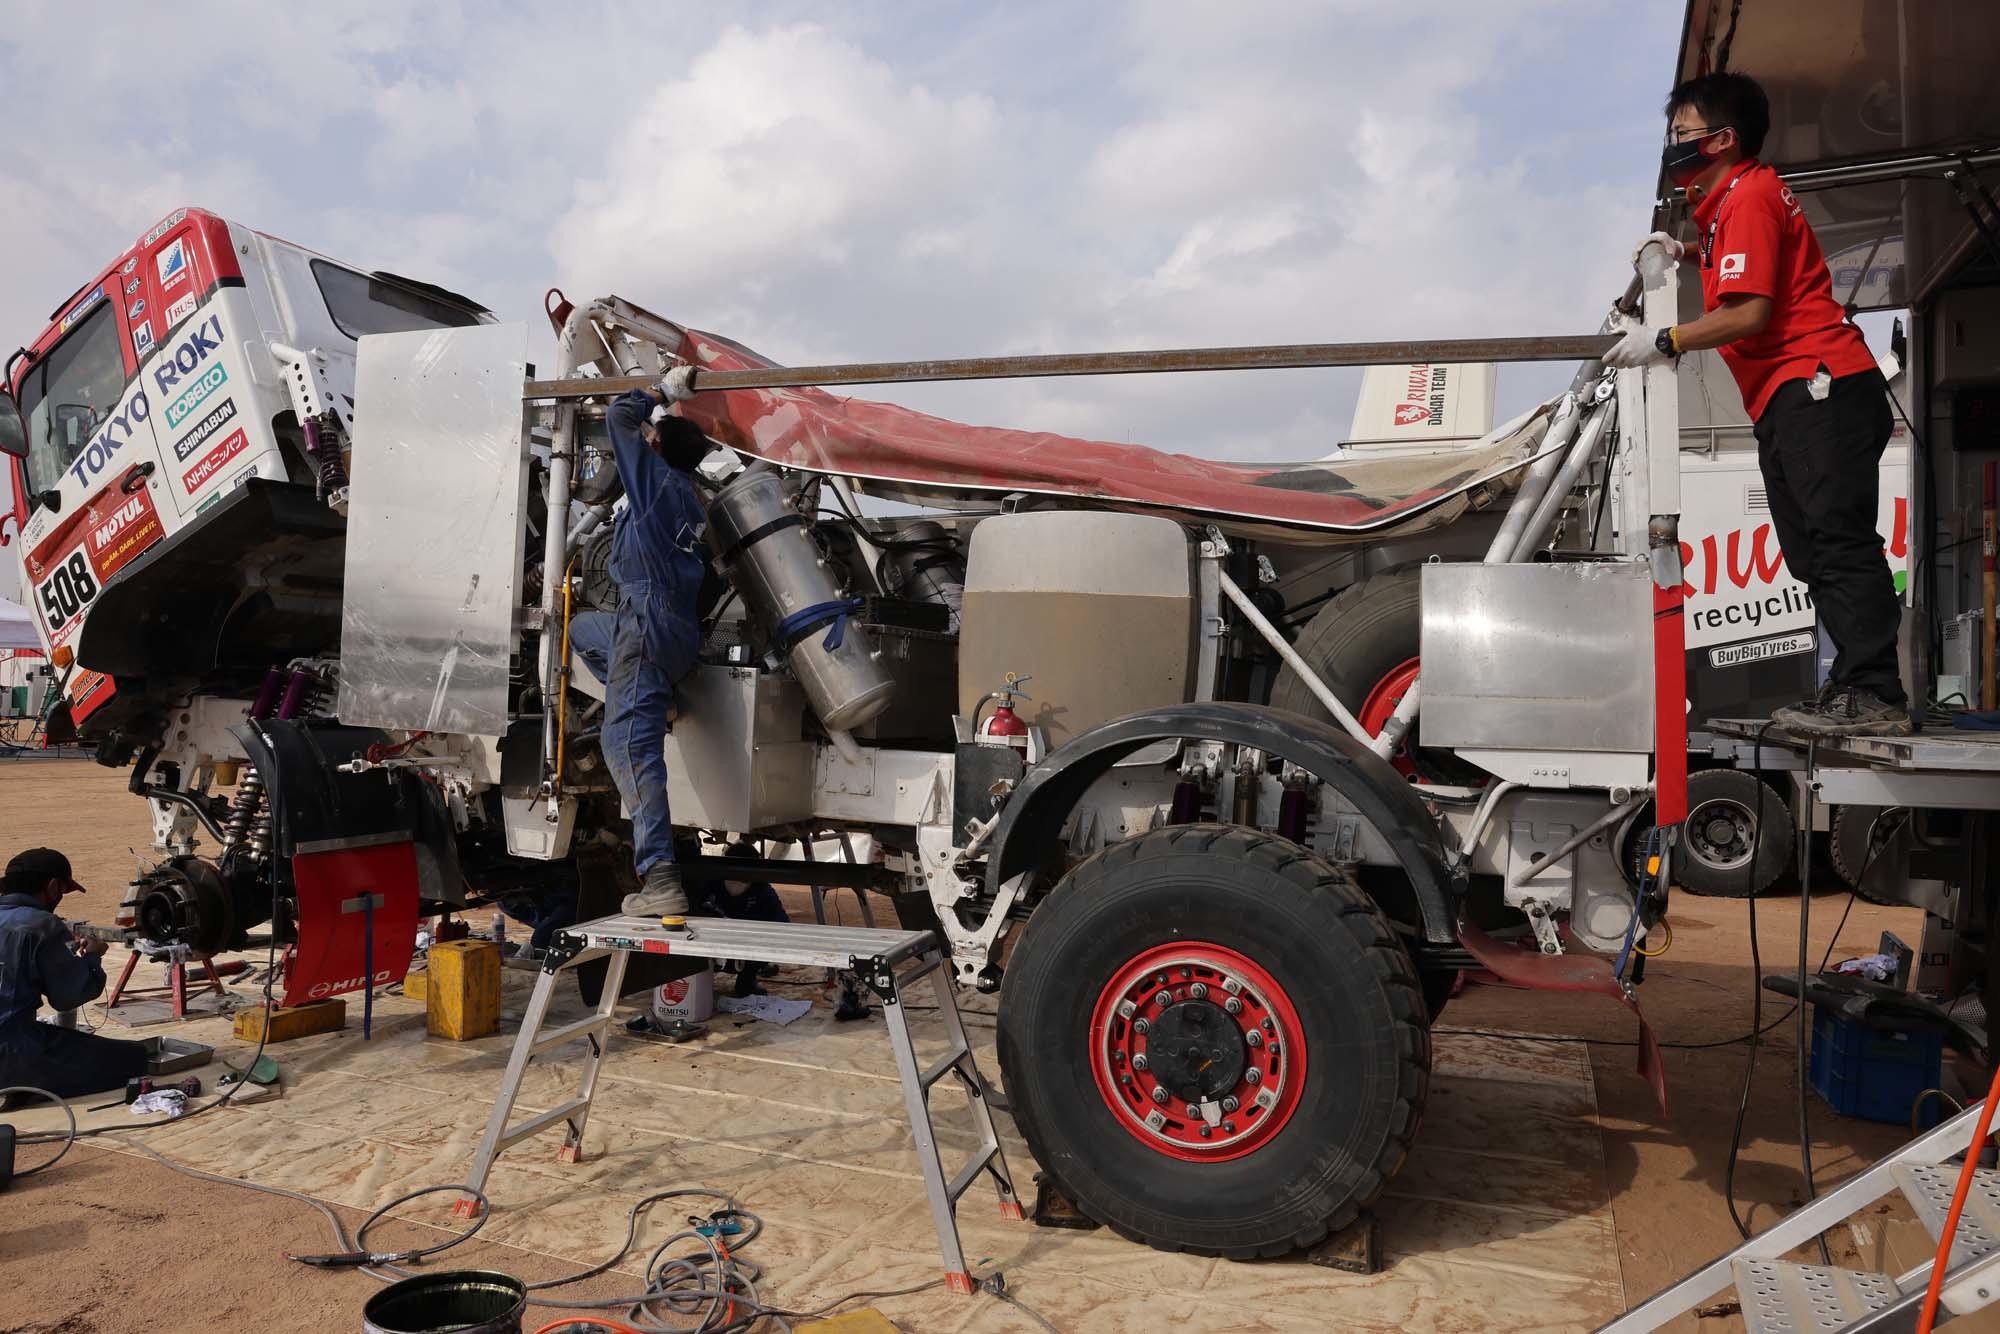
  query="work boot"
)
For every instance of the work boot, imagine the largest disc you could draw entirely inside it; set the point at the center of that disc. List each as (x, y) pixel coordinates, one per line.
(660, 895)
(1847, 711)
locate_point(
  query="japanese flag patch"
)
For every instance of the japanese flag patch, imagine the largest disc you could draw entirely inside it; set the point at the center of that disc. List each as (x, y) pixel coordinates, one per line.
(1732, 266)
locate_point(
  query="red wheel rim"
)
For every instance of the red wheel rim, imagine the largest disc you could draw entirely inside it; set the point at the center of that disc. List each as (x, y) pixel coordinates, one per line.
(1381, 704)
(1191, 985)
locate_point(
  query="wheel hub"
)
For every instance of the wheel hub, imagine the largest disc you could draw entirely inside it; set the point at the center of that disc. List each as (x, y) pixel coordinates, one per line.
(1721, 833)
(1197, 1051)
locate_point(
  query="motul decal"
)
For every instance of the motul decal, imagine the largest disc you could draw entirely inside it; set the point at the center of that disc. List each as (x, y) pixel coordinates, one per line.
(215, 460)
(131, 528)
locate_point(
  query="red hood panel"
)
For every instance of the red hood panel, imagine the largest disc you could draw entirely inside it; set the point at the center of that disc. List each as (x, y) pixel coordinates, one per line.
(909, 453)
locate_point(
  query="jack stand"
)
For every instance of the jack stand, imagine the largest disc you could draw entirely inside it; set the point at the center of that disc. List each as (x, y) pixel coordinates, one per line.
(176, 984)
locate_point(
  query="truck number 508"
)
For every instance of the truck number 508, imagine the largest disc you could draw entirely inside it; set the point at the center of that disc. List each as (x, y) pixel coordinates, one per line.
(67, 591)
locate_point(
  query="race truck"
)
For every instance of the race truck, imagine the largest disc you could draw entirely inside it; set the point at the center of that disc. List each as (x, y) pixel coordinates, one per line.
(1125, 728)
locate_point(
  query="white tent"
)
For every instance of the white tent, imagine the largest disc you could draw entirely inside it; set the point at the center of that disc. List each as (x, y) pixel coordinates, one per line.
(17, 628)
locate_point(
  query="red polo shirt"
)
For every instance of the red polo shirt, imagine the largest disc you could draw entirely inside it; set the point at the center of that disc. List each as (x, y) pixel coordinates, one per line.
(1755, 241)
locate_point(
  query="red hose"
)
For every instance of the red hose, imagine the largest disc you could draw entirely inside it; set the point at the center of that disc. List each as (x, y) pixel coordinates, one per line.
(587, 1322)
(1928, 1317)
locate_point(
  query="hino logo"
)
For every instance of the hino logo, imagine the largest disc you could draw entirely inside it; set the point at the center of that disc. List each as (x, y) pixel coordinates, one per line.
(323, 989)
(121, 519)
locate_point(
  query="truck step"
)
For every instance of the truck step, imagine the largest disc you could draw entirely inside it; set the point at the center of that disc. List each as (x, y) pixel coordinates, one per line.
(1929, 1187)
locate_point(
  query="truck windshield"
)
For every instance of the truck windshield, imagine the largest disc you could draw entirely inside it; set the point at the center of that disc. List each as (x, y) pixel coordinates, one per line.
(361, 305)
(67, 394)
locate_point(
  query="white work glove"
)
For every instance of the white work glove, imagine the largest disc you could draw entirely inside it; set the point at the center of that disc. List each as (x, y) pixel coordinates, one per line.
(1636, 350)
(679, 384)
(1673, 248)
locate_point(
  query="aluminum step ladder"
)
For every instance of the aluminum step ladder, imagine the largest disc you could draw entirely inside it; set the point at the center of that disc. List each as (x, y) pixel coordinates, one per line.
(888, 961)
(1778, 1294)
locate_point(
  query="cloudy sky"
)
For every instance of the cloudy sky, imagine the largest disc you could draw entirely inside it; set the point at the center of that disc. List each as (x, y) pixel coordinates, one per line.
(875, 180)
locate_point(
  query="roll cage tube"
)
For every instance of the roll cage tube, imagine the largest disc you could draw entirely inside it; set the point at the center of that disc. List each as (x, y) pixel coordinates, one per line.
(1027, 837)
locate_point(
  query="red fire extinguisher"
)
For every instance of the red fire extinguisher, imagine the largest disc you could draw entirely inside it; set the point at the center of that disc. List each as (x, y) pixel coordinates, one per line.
(1004, 727)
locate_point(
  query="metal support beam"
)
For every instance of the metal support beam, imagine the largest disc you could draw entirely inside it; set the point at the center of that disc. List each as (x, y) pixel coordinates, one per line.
(1286, 356)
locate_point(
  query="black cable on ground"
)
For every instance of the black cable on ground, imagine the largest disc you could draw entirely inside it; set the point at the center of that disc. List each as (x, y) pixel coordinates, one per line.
(68, 1138)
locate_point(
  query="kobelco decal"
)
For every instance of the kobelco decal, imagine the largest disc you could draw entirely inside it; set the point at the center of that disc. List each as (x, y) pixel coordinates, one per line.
(131, 415)
(189, 371)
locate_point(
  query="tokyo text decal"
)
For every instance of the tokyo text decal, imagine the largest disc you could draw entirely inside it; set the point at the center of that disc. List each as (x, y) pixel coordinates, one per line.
(131, 415)
(215, 461)
(216, 418)
(173, 263)
(192, 371)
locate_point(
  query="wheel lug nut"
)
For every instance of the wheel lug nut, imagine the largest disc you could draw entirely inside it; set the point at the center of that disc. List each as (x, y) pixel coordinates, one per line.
(1165, 998)
(1268, 1026)
(1125, 1079)
(1193, 1110)
(1254, 1038)
(1199, 991)
(1119, 1057)
(1160, 1096)
(1139, 1061)
(1253, 1075)
(1228, 1127)
(1140, 1026)
(1204, 1132)
(1230, 1104)
(1233, 1005)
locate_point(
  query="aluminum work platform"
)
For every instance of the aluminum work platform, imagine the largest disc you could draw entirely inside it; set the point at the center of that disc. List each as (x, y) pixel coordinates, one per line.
(888, 961)
(1946, 768)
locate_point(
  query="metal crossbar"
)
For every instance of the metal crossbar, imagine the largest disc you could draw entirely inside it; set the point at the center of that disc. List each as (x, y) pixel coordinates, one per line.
(888, 961)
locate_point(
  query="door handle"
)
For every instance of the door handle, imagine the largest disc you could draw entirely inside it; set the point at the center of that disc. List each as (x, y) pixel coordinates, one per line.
(135, 477)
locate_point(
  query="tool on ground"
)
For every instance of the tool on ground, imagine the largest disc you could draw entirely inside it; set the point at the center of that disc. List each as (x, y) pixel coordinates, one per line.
(888, 961)
(138, 1088)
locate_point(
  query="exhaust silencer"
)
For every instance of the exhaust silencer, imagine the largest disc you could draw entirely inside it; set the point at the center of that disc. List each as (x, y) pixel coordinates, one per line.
(774, 564)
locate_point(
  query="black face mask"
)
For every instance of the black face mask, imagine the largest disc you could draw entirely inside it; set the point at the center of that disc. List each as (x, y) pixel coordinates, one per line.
(1685, 161)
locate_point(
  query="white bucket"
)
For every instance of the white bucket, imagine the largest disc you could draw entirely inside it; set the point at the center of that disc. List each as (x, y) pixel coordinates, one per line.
(689, 999)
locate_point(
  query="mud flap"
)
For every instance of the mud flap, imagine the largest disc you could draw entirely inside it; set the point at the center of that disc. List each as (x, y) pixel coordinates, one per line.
(357, 920)
(1535, 971)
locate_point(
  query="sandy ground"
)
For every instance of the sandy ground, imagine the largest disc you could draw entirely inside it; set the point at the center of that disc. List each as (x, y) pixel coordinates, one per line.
(104, 1240)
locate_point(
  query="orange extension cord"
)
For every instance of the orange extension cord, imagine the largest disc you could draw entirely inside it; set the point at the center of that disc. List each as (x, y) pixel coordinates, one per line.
(1928, 1318)
(587, 1322)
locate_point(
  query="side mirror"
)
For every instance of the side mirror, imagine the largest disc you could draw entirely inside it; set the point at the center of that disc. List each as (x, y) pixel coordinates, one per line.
(13, 435)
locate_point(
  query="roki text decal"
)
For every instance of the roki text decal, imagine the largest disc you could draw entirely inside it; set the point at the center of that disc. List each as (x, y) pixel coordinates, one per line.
(188, 376)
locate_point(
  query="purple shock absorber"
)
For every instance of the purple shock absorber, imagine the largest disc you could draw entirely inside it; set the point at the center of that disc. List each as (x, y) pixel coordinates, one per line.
(267, 694)
(297, 691)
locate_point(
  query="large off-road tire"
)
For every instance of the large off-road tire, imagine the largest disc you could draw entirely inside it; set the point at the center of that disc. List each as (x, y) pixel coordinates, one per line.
(1721, 838)
(1205, 915)
(1364, 644)
(1850, 847)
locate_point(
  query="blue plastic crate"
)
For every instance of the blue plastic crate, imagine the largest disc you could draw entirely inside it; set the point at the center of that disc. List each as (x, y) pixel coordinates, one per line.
(1864, 1072)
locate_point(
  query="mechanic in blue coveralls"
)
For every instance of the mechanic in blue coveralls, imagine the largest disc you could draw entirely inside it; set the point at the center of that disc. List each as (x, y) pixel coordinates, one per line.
(645, 647)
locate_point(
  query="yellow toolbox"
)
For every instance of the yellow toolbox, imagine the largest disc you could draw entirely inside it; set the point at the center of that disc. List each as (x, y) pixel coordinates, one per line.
(462, 994)
(300, 1021)
(416, 983)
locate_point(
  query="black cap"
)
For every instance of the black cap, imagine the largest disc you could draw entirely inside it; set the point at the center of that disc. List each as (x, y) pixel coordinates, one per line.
(33, 869)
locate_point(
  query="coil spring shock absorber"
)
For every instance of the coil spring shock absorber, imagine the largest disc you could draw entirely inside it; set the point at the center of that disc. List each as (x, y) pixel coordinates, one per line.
(245, 811)
(324, 449)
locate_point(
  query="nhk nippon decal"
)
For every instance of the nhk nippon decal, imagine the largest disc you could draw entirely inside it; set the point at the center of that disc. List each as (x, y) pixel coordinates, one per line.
(180, 310)
(82, 308)
(142, 337)
(215, 461)
(1735, 655)
(131, 528)
(189, 370)
(218, 416)
(171, 221)
(173, 263)
(131, 415)
(1425, 396)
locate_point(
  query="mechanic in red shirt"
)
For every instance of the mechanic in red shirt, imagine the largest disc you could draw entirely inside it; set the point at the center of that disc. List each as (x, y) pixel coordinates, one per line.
(1808, 382)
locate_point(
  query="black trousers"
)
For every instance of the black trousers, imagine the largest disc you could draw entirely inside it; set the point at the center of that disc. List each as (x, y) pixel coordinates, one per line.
(66, 1061)
(1820, 460)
